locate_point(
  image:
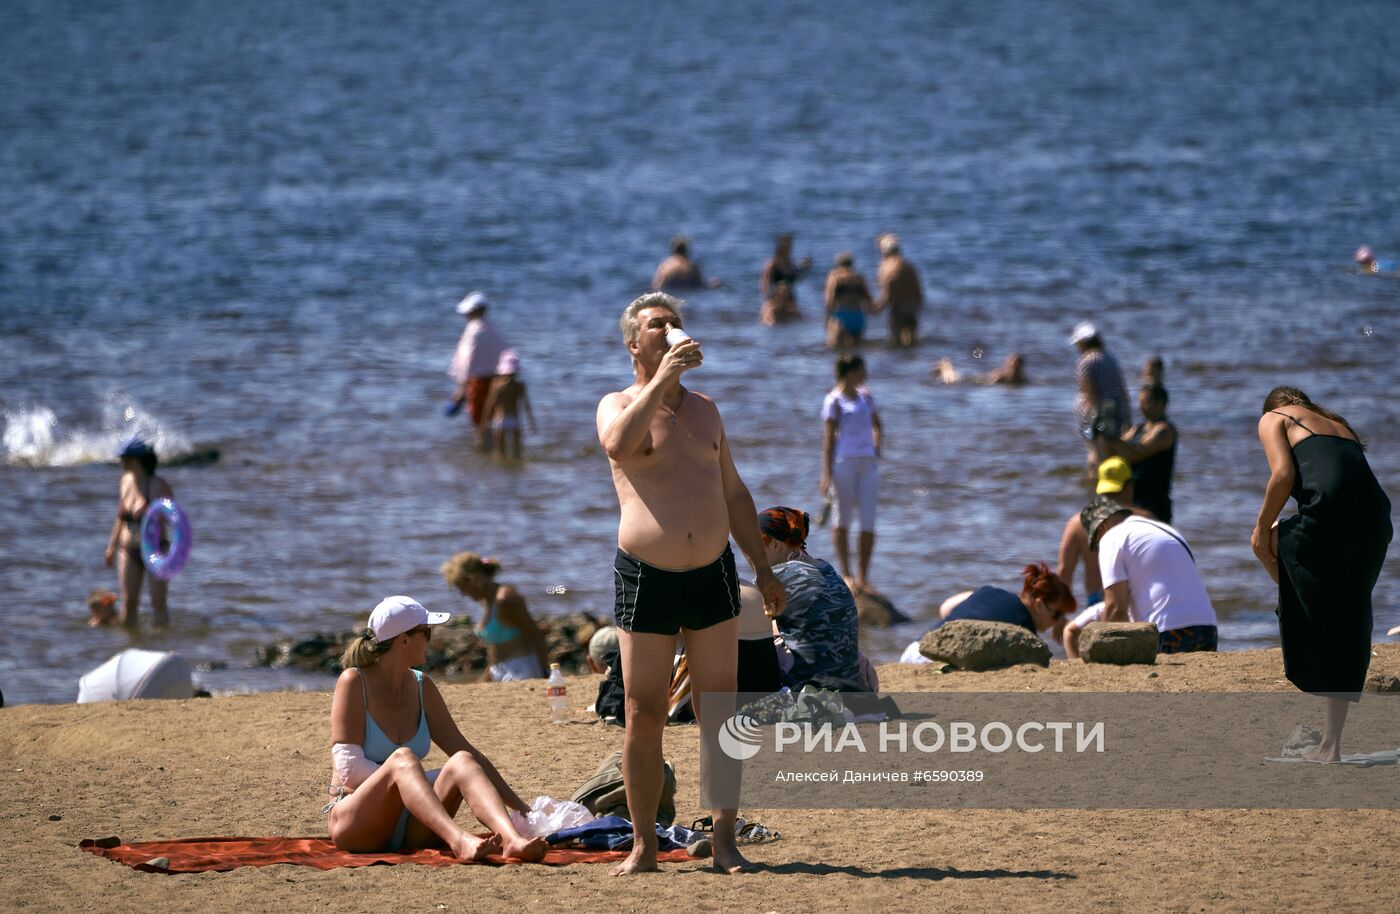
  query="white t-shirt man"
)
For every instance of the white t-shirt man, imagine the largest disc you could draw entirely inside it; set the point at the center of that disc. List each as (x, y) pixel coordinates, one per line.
(1162, 578)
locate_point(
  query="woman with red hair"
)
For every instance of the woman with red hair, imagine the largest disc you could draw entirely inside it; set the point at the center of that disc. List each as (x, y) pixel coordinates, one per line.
(1044, 604)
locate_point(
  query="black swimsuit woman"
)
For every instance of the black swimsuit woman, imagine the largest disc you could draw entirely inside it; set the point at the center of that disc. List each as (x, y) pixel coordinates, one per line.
(1327, 558)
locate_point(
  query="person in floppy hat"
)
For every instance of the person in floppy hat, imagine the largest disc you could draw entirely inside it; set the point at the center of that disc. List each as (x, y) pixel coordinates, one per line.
(385, 717)
(1101, 407)
(138, 488)
(474, 363)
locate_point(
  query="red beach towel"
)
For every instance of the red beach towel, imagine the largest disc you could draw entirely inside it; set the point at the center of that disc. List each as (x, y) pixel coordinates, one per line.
(201, 855)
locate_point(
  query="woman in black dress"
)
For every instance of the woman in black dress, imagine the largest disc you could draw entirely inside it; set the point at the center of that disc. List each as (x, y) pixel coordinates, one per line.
(1326, 559)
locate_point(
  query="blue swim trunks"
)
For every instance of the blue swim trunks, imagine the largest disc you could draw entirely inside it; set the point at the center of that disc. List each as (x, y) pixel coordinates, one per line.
(853, 322)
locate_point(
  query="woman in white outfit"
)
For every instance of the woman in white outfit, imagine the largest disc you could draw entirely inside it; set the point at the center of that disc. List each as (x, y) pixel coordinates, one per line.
(850, 455)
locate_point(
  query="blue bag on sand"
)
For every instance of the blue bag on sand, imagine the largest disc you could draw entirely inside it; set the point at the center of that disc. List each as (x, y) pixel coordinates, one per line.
(614, 833)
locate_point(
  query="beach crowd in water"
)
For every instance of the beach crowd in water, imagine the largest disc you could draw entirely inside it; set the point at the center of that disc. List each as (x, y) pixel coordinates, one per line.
(686, 621)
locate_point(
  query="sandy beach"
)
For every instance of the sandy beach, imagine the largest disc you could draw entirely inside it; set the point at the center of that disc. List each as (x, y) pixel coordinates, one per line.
(257, 765)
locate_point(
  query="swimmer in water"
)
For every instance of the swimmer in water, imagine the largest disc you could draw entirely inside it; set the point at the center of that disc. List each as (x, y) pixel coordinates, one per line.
(776, 284)
(1366, 261)
(102, 608)
(847, 302)
(1012, 372)
(505, 401)
(900, 291)
(1152, 371)
(944, 372)
(680, 272)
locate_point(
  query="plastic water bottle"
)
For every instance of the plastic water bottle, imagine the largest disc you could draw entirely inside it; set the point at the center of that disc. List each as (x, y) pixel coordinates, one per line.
(558, 694)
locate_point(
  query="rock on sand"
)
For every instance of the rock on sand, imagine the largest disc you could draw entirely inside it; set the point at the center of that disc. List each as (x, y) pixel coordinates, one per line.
(1119, 642)
(973, 645)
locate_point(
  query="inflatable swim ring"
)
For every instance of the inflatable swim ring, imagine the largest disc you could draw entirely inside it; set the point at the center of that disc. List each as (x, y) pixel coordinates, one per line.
(164, 516)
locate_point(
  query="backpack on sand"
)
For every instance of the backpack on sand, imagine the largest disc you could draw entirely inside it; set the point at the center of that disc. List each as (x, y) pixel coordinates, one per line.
(604, 796)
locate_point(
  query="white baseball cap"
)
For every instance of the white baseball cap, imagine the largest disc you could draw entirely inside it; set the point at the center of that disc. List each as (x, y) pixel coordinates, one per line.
(475, 301)
(396, 615)
(1082, 331)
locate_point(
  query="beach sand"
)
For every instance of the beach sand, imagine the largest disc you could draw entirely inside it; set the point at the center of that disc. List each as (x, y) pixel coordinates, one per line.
(258, 764)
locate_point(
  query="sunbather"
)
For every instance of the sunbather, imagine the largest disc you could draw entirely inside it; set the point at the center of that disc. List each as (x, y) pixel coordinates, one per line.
(385, 716)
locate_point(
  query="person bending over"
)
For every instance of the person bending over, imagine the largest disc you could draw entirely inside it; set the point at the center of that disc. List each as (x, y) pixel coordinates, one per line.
(1044, 604)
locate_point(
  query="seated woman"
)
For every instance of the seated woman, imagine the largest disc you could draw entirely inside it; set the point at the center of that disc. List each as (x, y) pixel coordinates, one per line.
(385, 716)
(820, 625)
(515, 647)
(1045, 602)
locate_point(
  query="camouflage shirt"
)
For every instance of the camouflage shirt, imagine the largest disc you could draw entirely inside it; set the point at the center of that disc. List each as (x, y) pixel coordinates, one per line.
(820, 625)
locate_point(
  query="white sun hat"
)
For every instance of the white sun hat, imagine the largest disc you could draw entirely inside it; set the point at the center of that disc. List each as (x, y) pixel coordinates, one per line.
(396, 615)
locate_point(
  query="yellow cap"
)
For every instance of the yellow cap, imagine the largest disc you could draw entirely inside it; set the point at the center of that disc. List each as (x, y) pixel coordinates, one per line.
(1114, 474)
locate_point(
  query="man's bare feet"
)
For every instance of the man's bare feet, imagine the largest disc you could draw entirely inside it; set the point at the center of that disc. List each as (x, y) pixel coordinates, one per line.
(641, 860)
(531, 849)
(729, 860)
(1324, 754)
(470, 847)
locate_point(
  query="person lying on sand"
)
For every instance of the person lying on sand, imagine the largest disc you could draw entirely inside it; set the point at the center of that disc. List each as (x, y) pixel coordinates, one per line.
(385, 716)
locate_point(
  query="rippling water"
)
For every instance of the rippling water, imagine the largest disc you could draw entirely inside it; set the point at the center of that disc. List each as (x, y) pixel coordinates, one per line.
(245, 226)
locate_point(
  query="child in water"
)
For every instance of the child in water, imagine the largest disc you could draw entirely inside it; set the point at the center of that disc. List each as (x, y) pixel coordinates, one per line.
(102, 608)
(504, 403)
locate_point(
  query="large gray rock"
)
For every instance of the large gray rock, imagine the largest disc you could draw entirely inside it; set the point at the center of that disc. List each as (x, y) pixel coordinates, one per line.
(876, 610)
(1119, 642)
(969, 644)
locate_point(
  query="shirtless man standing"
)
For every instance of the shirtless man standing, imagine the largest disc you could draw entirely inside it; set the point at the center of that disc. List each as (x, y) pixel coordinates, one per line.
(681, 500)
(900, 292)
(678, 271)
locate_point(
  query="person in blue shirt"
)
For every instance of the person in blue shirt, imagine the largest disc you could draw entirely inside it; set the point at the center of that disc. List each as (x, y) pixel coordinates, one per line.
(1044, 603)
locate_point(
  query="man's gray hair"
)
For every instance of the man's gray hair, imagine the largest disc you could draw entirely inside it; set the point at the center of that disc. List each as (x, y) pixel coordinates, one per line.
(630, 330)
